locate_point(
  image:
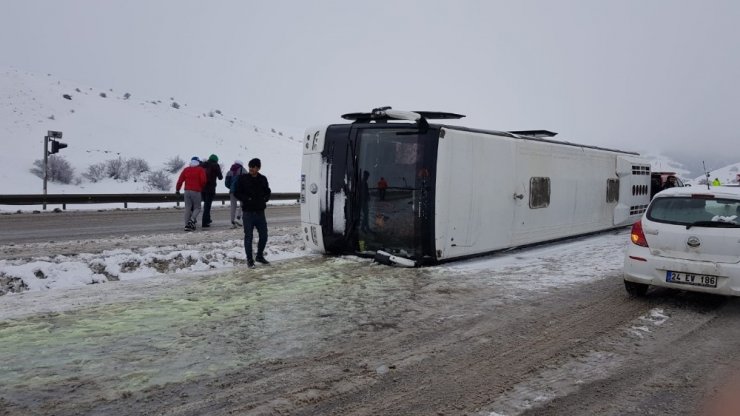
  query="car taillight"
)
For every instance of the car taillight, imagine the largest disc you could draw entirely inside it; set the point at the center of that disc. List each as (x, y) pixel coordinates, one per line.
(637, 236)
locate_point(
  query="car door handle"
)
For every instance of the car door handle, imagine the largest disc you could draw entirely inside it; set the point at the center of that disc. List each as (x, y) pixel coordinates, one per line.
(518, 196)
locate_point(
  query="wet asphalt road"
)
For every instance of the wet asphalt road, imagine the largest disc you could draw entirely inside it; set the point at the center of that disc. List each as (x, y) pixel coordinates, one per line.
(76, 225)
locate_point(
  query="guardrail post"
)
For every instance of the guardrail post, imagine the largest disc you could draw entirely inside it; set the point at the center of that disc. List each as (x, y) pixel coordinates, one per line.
(125, 205)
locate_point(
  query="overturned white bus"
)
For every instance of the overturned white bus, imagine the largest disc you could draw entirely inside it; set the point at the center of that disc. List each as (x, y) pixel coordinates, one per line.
(393, 186)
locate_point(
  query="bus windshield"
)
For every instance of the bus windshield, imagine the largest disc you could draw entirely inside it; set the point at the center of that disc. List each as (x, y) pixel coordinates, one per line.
(393, 189)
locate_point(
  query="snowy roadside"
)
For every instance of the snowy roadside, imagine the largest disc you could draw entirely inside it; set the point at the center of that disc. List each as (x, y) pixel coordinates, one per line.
(60, 265)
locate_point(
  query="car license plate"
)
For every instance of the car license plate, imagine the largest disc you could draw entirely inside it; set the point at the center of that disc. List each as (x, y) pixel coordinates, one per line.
(691, 279)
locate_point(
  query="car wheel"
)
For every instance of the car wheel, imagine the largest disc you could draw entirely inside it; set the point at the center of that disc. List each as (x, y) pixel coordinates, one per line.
(636, 289)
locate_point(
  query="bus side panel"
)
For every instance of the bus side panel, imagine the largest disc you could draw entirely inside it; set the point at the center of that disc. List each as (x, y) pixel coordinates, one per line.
(577, 195)
(474, 198)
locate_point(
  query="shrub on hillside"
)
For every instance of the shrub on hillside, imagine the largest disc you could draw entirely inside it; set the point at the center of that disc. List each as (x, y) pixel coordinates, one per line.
(95, 172)
(116, 169)
(174, 164)
(158, 181)
(137, 167)
(124, 169)
(59, 169)
(119, 169)
(126, 96)
(175, 105)
(102, 94)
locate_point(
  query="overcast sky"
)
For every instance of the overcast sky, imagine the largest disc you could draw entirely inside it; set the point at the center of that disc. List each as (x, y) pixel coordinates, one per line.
(637, 74)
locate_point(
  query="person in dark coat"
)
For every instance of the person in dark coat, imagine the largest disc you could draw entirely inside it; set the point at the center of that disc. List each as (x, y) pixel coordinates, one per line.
(253, 191)
(213, 173)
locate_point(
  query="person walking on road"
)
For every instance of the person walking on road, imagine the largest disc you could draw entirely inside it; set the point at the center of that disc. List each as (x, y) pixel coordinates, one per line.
(253, 191)
(382, 186)
(230, 181)
(194, 178)
(213, 173)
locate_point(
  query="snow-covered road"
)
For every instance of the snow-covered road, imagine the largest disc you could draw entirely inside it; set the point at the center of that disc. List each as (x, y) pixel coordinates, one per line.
(546, 328)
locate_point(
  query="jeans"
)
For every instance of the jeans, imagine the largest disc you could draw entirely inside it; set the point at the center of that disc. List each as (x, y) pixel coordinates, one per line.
(252, 220)
(234, 207)
(207, 201)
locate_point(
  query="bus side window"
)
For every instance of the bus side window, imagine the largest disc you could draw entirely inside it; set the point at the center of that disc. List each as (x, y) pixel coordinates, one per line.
(612, 190)
(539, 192)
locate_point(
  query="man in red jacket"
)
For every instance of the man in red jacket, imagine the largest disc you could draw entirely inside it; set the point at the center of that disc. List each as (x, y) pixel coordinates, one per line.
(194, 178)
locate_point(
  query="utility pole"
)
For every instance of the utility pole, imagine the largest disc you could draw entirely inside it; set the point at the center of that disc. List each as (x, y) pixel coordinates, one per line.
(46, 169)
(55, 147)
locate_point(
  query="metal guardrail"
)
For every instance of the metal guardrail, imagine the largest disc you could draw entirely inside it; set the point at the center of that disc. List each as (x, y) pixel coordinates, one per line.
(125, 199)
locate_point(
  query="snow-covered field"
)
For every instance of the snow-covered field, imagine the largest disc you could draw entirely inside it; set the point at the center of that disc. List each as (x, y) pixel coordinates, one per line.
(97, 129)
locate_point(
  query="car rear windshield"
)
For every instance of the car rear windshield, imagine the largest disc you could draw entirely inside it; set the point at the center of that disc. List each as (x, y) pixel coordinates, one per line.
(691, 210)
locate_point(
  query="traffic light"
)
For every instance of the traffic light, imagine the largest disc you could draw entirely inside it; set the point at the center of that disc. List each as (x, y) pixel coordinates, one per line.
(56, 146)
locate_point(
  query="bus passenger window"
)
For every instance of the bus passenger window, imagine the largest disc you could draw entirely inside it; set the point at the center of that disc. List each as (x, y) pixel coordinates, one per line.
(539, 192)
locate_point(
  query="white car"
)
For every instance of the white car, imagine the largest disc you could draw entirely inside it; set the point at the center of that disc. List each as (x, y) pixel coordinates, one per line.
(689, 238)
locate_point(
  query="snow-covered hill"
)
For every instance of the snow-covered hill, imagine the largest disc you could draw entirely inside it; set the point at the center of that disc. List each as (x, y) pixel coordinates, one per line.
(728, 175)
(99, 124)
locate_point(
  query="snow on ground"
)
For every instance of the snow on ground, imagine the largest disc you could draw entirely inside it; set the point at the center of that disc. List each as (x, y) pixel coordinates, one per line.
(554, 265)
(540, 268)
(123, 262)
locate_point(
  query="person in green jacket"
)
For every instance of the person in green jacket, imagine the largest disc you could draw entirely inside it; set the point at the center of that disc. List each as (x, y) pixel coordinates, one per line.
(716, 182)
